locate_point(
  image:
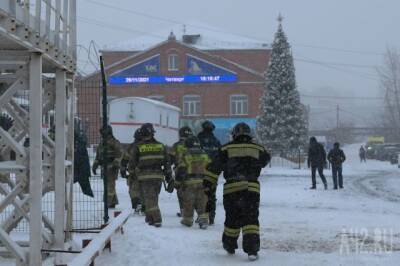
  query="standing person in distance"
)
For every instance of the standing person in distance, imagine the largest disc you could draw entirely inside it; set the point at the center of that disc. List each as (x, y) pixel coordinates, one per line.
(336, 157)
(317, 160)
(241, 161)
(177, 152)
(113, 158)
(151, 162)
(362, 154)
(210, 144)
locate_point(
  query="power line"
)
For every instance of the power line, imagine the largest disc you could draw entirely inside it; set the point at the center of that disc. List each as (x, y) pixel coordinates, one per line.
(150, 16)
(333, 63)
(342, 97)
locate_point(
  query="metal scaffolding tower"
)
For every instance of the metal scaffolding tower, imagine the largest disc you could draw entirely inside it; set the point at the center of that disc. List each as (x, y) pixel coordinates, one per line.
(37, 59)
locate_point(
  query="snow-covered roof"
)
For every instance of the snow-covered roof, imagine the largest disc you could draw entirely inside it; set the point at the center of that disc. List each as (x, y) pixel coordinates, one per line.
(211, 38)
(154, 102)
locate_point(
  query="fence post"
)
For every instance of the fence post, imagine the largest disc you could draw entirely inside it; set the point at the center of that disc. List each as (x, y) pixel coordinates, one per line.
(103, 172)
(299, 153)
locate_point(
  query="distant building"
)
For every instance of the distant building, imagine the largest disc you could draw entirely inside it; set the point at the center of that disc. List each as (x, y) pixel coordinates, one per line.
(221, 81)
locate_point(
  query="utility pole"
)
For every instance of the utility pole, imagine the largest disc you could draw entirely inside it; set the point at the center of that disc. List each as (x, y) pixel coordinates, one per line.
(337, 116)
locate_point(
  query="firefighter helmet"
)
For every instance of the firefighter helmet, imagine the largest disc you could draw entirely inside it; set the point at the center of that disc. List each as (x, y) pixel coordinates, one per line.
(208, 125)
(147, 130)
(241, 129)
(185, 132)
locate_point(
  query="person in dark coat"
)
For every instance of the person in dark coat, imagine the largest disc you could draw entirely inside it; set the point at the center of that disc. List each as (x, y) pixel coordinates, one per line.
(317, 160)
(336, 157)
(210, 144)
(81, 163)
(362, 154)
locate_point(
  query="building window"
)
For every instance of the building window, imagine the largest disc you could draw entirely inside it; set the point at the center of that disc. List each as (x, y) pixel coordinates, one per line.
(172, 62)
(159, 98)
(239, 105)
(191, 105)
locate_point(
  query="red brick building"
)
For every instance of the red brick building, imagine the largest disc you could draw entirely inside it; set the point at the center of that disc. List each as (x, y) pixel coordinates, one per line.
(223, 84)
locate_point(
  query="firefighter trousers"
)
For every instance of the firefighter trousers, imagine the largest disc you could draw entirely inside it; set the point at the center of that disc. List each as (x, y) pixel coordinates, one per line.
(112, 175)
(135, 192)
(193, 199)
(241, 215)
(151, 189)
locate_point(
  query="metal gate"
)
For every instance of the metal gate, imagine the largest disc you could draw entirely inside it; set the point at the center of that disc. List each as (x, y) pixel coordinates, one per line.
(89, 212)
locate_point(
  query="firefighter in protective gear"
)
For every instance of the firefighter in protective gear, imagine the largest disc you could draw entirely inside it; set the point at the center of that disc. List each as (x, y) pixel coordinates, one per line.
(210, 144)
(195, 161)
(150, 160)
(132, 180)
(241, 161)
(113, 159)
(177, 161)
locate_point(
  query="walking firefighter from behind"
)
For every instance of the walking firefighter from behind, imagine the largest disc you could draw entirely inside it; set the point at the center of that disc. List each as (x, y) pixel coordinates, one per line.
(113, 159)
(133, 183)
(210, 144)
(241, 161)
(195, 161)
(176, 155)
(150, 160)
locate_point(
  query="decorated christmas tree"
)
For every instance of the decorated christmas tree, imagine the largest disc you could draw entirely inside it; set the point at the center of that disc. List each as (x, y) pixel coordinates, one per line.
(281, 125)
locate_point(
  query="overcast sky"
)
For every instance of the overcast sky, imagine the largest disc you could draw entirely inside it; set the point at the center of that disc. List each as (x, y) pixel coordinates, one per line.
(330, 34)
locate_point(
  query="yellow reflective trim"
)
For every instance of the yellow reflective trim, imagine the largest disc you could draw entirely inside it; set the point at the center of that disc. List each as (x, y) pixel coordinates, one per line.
(236, 184)
(152, 209)
(143, 148)
(232, 190)
(241, 146)
(232, 232)
(257, 190)
(203, 216)
(151, 157)
(193, 181)
(247, 232)
(251, 227)
(211, 174)
(154, 176)
(243, 152)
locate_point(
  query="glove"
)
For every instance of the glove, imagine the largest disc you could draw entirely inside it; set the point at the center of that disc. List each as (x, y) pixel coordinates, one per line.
(94, 168)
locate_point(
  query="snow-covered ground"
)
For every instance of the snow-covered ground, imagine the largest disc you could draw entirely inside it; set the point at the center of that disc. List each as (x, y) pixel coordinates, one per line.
(355, 226)
(358, 225)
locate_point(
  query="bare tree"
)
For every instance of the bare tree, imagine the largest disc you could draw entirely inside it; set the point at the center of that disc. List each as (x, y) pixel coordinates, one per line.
(389, 75)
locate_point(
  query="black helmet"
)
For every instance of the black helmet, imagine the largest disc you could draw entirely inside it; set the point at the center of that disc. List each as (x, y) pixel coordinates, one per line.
(147, 130)
(241, 129)
(208, 125)
(138, 134)
(185, 132)
(192, 142)
(313, 140)
(107, 131)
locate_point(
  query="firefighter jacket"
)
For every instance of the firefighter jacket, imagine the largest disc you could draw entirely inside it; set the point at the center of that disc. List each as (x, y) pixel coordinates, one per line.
(150, 161)
(114, 153)
(241, 162)
(195, 162)
(176, 156)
